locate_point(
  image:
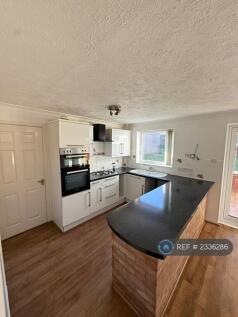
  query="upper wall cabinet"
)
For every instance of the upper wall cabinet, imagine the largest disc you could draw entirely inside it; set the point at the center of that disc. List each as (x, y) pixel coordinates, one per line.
(73, 134)
(121, 143)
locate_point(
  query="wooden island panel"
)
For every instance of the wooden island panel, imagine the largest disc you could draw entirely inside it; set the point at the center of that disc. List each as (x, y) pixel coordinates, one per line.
(145, 282)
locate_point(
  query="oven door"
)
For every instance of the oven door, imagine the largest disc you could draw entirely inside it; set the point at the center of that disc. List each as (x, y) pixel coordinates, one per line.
(74, 181)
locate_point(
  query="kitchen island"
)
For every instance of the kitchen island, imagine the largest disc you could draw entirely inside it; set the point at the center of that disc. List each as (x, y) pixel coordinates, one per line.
(142, 275)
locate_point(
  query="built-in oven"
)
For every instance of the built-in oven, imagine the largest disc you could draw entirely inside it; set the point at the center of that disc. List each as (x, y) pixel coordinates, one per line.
(75, 170)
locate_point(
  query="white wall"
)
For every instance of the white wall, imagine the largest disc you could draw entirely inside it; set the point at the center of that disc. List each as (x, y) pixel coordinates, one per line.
(209, 131)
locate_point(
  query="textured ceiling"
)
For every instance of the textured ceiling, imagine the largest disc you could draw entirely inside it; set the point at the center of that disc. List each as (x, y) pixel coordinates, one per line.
(158, 59)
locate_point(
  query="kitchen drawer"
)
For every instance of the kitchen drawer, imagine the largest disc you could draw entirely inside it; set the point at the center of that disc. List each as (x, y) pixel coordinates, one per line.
(110, 197)
(110, 190)
(96, 184)
(110, 180)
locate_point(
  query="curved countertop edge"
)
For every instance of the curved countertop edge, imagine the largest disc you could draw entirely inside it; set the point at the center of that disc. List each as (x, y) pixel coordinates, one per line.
(148, 252)
(178, 234)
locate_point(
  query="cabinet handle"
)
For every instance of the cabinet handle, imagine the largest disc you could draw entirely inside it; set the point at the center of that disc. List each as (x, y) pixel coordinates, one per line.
(108, 197)
(95, 183)
(89, 199)
(143, 189)
(121, 148)
(100, 194)
(109, 179)
(74, 144)
(111, 185)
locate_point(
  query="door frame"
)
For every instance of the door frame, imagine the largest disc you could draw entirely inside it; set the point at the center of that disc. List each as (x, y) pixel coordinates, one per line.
(223, 218)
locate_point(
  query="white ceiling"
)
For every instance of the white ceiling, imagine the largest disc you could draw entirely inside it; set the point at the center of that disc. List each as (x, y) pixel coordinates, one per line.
(158, 59)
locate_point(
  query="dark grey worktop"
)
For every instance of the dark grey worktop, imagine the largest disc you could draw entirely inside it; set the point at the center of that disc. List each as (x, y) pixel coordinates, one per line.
(160, 214)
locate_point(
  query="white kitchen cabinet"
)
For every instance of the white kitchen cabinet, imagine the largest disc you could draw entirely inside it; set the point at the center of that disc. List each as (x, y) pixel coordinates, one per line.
(134, 186)
(76, 207)
(126, 142)
(73, 134)
(121, 143)
(91, 140)
(110, 190)
(96, 196)
(102, 193)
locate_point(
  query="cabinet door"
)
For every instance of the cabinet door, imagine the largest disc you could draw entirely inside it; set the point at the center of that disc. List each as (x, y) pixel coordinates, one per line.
(116, 135)
(73, 134)
(120, 145)
(110, 190)
(126, 142)
(116, 149)
(91, 140)
(96, 196)
(116, 143)
(76, 207)
(135, 186)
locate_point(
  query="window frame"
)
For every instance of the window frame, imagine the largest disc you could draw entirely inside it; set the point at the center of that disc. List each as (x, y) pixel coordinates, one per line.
(169, 145)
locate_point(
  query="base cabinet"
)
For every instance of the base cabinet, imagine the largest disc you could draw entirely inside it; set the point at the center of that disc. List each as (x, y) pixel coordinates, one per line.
(110, 190)
(135, 186)
(96, 196)
(76, 207)
(102, 193)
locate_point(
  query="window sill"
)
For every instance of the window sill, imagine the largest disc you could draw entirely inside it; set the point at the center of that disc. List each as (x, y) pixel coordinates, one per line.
(154, 164)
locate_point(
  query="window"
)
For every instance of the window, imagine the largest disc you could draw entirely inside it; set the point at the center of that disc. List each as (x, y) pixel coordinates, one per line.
(155, 147)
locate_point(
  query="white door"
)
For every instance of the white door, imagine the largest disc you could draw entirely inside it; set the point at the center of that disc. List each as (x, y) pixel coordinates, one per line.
(229, 203)
(22, 190)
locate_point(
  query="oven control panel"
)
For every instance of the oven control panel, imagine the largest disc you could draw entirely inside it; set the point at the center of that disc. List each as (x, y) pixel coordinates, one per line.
(77, 150)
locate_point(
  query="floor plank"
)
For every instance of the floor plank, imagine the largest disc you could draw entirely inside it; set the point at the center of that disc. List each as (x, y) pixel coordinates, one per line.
(50, 273)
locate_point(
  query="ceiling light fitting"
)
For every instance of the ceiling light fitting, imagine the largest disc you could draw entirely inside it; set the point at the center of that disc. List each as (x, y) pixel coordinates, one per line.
(114, 110)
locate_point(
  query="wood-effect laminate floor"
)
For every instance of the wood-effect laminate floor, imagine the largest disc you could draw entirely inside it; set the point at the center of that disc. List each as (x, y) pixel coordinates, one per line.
(50, 273)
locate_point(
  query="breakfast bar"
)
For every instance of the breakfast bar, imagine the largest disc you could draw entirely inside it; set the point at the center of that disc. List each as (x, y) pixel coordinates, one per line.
(143, 276)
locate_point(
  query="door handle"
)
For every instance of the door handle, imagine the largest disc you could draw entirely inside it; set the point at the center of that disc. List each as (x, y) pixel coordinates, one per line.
(41, 181)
